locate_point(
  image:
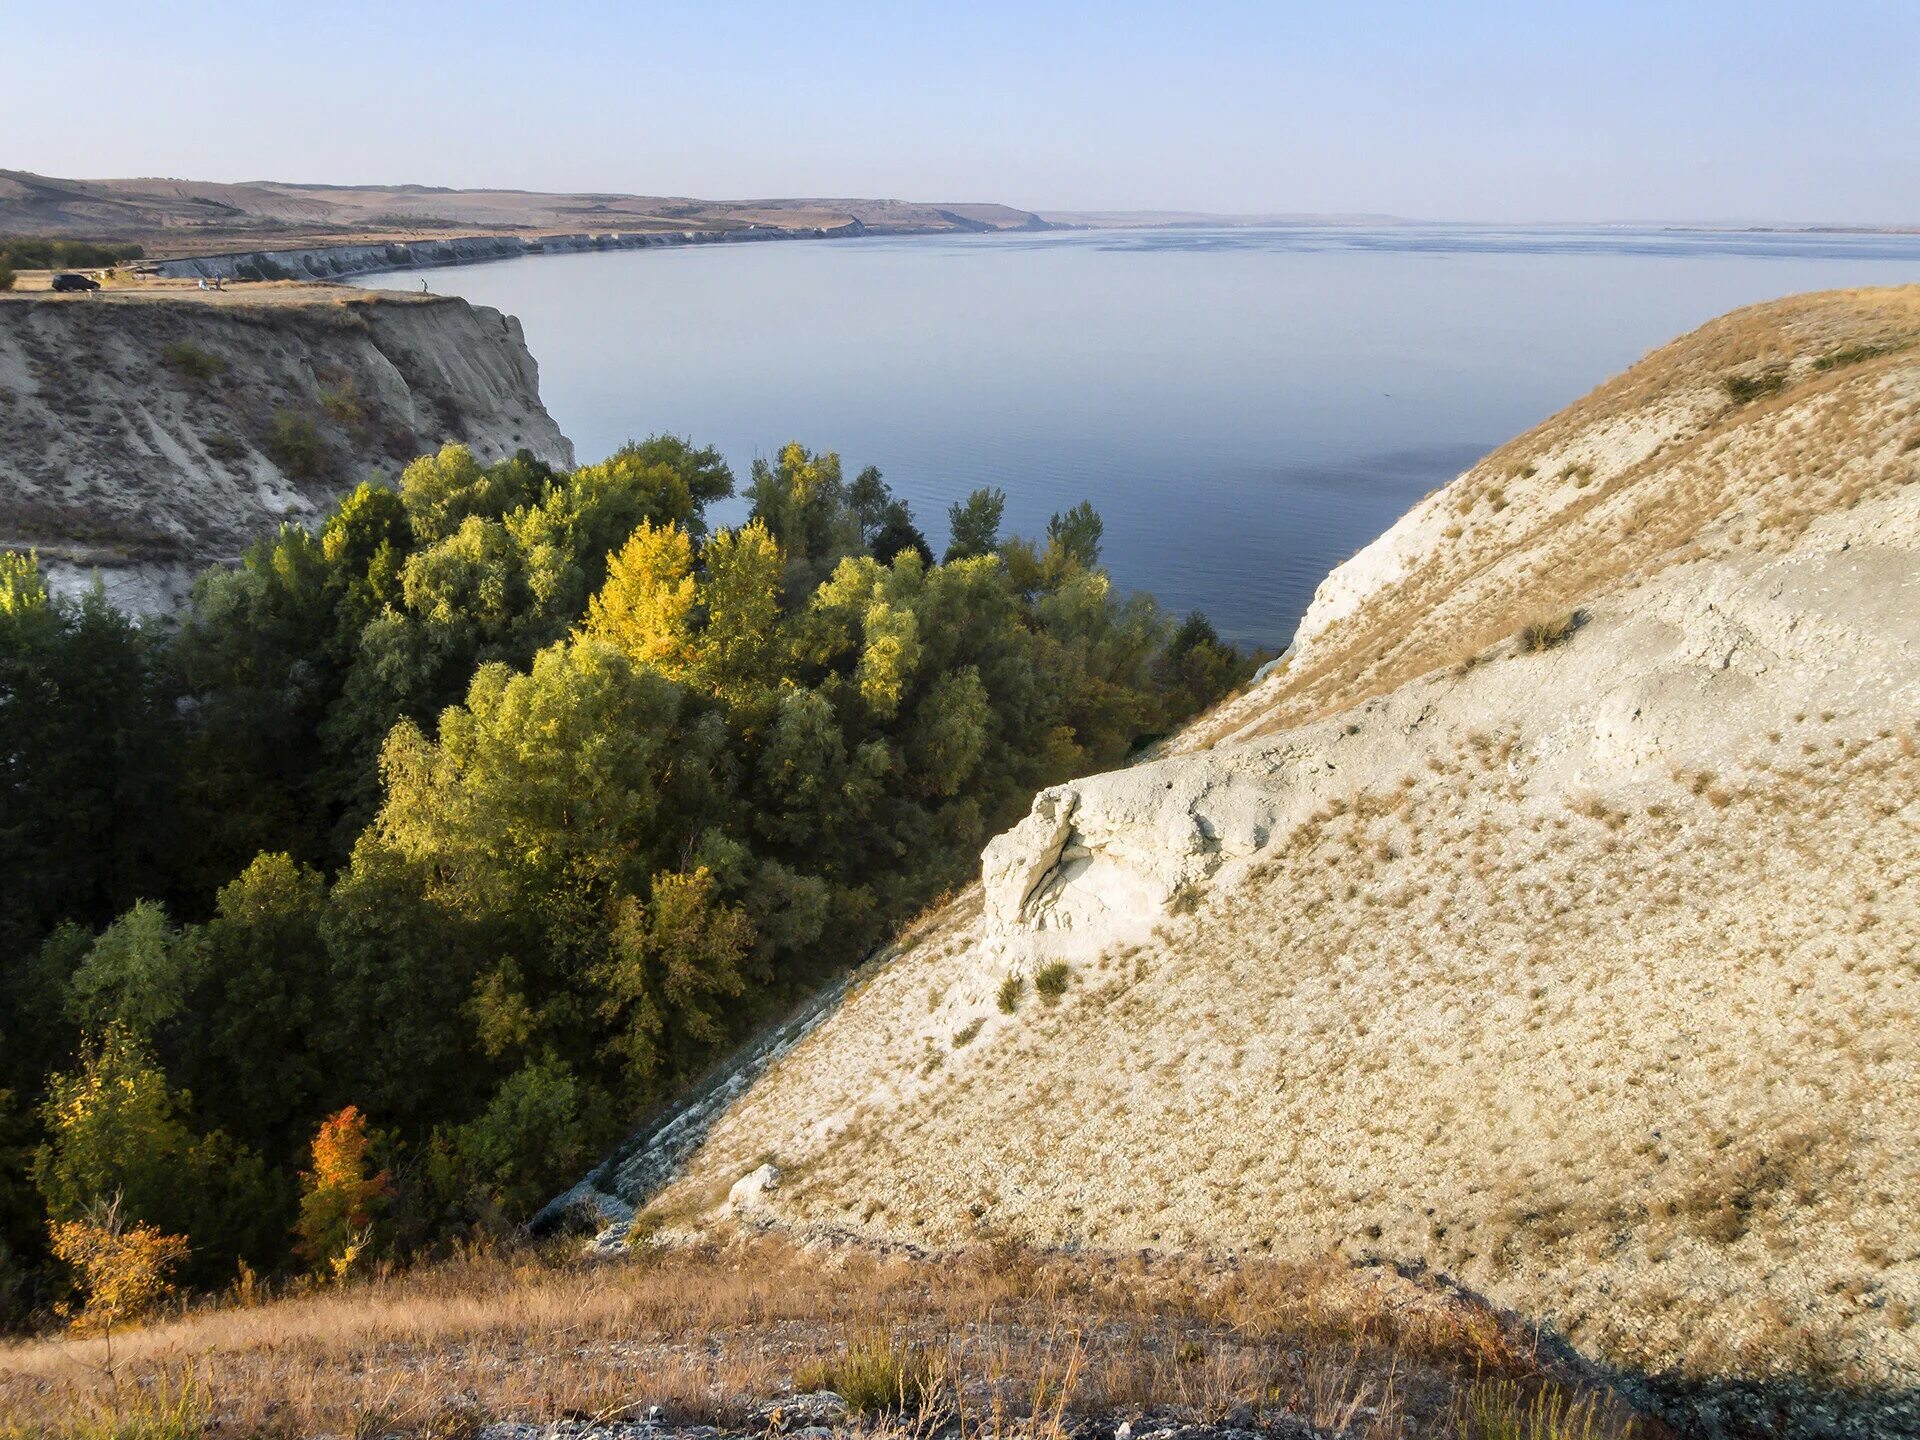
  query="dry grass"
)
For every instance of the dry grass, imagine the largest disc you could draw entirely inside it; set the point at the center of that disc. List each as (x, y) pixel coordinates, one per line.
(721, 1335)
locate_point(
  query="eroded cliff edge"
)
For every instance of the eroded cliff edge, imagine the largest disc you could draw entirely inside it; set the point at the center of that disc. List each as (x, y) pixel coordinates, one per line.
(143, 437)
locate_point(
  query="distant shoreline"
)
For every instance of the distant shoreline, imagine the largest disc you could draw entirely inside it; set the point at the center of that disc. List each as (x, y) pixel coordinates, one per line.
(349, 259)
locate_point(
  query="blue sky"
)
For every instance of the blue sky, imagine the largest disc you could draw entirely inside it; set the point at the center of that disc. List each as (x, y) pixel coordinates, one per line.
(1544, 111)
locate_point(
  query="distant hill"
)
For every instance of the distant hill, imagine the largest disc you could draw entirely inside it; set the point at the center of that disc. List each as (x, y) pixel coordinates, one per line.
(185, 217)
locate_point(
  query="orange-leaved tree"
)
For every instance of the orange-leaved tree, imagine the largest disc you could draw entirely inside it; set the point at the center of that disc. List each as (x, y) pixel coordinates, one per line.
(339, 1199)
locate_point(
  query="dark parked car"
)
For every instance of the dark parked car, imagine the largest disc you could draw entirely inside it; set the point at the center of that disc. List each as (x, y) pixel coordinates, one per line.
(66, 283)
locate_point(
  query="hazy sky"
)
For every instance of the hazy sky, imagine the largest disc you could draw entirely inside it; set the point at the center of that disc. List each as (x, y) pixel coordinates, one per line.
(1697, 109)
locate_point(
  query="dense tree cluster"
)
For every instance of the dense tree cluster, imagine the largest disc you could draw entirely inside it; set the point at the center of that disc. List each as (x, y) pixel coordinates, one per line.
(367, 904)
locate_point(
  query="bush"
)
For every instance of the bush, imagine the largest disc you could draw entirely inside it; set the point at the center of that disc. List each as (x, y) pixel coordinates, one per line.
(121, 1269)
(341, 400)
(963, 1037)
(1545, 633)
(294, 444)
(224, 445)
(31, 254)
(193, 363)
(1010, 989)
(6, 276)
(339, 1196)
(876, 1375)
(1742, 389)
(1848, 355)
(1050, 981)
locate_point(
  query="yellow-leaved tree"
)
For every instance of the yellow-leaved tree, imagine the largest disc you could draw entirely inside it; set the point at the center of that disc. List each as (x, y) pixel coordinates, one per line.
(121, 1269)
(718, 631)
(646, 606)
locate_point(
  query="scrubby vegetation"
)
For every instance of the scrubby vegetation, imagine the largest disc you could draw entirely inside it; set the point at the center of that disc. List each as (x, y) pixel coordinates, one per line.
(30, 253)
(193, 362)
(1746, 388)
(439, 842)
(877, 1374)
(1548, 631)
(1856, 355)
(294, 443)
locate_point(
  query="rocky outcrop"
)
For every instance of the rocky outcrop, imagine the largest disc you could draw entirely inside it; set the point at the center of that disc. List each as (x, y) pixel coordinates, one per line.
(1101, 860)
(143, 438)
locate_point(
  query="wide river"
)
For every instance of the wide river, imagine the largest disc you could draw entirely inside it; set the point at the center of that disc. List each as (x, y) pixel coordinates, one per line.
(1246, 408)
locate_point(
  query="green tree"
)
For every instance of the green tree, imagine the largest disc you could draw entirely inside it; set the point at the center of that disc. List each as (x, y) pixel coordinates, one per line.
(738, 650)
(89, 746)
(365, 544)
(529, 1142)
(646, 608)
(442, 491)
(675, 960)
(113, 1128)
(802, 501)
(973, 524)
(257, 1061)
(1076, 535)
(138, 974)
(399, 970)
(544, 794)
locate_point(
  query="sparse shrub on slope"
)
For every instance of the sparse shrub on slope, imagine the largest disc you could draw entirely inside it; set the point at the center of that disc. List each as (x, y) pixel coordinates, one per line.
(224, 445)
(1503, 1410)
(1745, 388)
(193, 362)
(294, 443)
(1050, 981)
(1548, 631)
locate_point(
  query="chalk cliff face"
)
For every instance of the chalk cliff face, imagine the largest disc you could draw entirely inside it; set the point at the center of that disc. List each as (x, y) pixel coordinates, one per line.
(143, 438)
(1547, 921)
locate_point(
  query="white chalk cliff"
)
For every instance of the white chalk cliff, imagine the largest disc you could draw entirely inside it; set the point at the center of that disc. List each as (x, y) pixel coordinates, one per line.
(1550, 920)
(138, 433)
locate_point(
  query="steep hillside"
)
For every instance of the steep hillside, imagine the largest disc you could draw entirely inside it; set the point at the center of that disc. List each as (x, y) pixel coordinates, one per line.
(1550, 920)
(148, 434)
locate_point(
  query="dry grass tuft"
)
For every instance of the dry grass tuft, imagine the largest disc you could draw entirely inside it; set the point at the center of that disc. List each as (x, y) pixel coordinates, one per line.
(1546, 633)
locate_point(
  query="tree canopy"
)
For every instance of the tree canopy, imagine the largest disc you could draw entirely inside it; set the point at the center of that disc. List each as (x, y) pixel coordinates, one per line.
(440, 840)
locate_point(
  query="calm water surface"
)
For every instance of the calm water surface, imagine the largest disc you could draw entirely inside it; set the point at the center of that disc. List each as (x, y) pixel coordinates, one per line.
(1246, 408)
